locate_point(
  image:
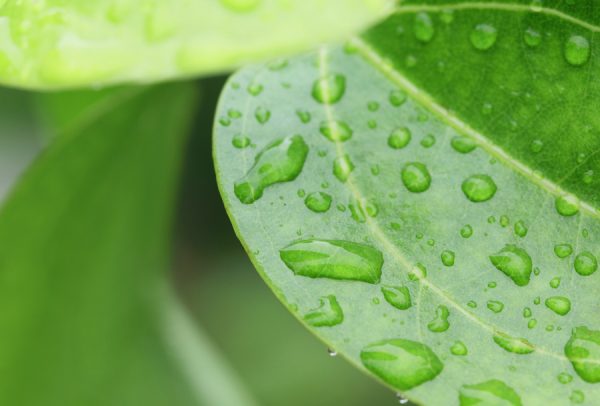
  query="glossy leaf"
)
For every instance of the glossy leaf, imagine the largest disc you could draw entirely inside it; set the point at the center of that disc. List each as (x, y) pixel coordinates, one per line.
(58, 43)
(462, 146)
(87, 318)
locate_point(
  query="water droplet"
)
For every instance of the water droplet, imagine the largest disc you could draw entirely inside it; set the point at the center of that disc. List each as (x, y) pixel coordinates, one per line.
(241, 141)
(536, 6)
(241, 6)
(558, 304)
(342, 167)
(331, 353)
(555, 282)
(577, 50)
(487, 108)
(280, 161)
(262, 114)
(319, 202)
(531, 324)
(585, 263)
(495, 306)
(399, 297)
(532, 37)
(527, 312)
(359, 208)
(514, 262)
(504, 221)
(417, 273)
(492, 392)
(448, 258)
(588, 177)
(397, 98)
(472, 304)
(401, 399)
(328, 314)
(232, 113)
(466, 231)
(373, 106)
(399, 138)
(372, 124)
(304, 116)
(536, 146)
(336, 130)
(537, 300)
(423, 28)
(428, 141)
(329, 89)
(512, 344)
(479, 188)
(447, 16)
(564, 378)
(463, 145)
(459, 348)
(520, 229)
(484, 36)
(404, 364)
(416, 177)
(567, 205)
(583, 350)
(440, 323)
(563, 250)
(333, 259)
(225, 121)
(492, 285)
(255, 89)
(577, 396)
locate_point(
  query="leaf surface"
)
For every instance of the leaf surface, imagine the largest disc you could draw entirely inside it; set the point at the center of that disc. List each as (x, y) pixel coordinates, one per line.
(58, 44)
(459, 141)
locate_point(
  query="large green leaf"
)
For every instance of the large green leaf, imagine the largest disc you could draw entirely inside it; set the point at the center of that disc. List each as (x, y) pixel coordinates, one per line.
(86, 317)
(426, 200)
(59, 43)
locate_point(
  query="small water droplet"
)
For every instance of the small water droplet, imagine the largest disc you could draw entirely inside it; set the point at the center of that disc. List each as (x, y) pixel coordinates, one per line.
(583, 350)
(459, 348)
(423, 28)
(401, 399)
(532, 37)
(416, 177)
(527, 312)
(536, 6)
(304, 116)
(567, 205)
(585, 263)
(331, 353)
(241, 141)
(336, 130)
(334, 259)
(342, 167)
(577, 396)
(399, 297)
(492, 392)
(328, 314)
(262, 114)
(531, 324)
(440, 323)
(492, 285)
(479, 188)
(448, 258)
(513, 344)
(319, 202)
(472, 304)
(397, 98)
(417, 273)
(536, 146)
(588, 177)
(520, 229)
(280, 161)
(329, 89)
(466, 231)
(564, 378)
(558, 304)
(514, 262)
(563, 250)
(483, 36)
(504, 221)
(487, 109)
(373, 106)
(577, 50)
(255, 89)
(495, 306)
(428, 141)
(232, 113)
(447, 16)
(463, 145)
(372, 124)
(399, 138)
(555, 282)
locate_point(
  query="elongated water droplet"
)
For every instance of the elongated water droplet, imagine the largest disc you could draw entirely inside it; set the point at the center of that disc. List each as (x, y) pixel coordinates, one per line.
(459, 348)
(563, 250)
(342, 167)
(329, 89)
(583, 350)
(333, 259)
(577, 50)
(399, 297)
(564, 378)
(448, 257)
(397, 98)
(399, 138)
(463, 145)
(495, 306)
(559, 305)
(416, 177)
(514, 262)
(483, 36)
(440, 323)
(329, 313)
(280, 161)
(479, 188)
(336, 130)
(489, 393)
(241, 141)
(404, 364)
(511, 344)
(319, 202)
(567, 205)
(585, 263)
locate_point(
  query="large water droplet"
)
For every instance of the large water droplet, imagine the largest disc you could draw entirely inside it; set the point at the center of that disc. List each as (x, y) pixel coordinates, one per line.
(489, 393)
(440, 323)
(329, 89)
(459, 348)
(479, 188)
(512, 344)
(333, 259)
(329, 313)
(399, 297)
(495, 306)
(423, 28)
(319, 202)
(448, 257)
(484, 36)
(567, 205)
(342, 167)
(280, 161)
(577, 50)
(336, 130)
(585, 263)
(399, 138)
(558, 304)
(404, 364)
(416, 177)
(583, 350)
(514, 262)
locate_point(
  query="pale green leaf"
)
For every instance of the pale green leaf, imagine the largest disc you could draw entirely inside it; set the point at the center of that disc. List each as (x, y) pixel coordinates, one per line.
(57, 43)
(459, 141)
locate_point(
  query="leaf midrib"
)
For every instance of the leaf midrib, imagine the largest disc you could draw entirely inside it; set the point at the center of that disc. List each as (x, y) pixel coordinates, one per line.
(376, 230)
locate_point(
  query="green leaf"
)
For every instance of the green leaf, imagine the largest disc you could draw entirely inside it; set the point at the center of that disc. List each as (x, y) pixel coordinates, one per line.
(84, 236)
(59, 44)
(460, 142)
